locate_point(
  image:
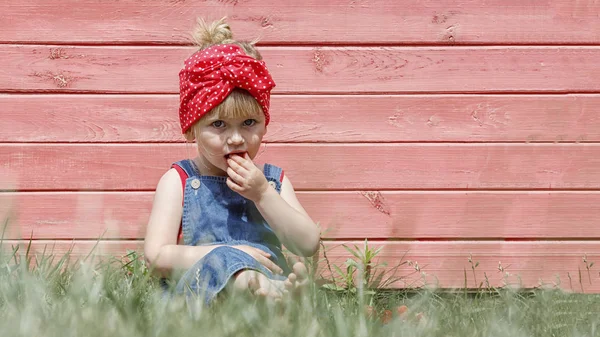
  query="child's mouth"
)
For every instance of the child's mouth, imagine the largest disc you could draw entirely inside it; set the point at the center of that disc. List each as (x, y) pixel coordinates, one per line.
(241, 154)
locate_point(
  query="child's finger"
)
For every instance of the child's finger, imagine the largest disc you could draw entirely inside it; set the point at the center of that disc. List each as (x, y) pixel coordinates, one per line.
(237, 158)
(248, 164)
(263, 252)
(260, 251)
(235, 187)
(272, 266)
(244, 161)
(238, 179)
(236, 166)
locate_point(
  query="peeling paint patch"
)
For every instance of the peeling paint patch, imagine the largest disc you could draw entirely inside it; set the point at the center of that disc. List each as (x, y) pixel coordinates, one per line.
(400, 118)
(433, 121)
(376, 199)
(486, 114)
(439, 18)
(393, 120)
(319, 60)
(229, 2)
(353, 3)
(58, 53)
(450, 33)
(263, 21)
(60, 80)
(266, 22)
(475, 117)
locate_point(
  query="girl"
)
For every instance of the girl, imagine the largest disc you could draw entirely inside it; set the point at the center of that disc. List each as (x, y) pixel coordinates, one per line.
(231, 215)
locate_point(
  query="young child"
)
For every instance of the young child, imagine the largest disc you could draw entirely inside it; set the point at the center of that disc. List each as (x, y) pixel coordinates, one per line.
(231, 215)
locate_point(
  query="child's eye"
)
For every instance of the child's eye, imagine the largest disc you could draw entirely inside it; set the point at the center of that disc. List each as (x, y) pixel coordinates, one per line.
(249, 122)
(218, 124)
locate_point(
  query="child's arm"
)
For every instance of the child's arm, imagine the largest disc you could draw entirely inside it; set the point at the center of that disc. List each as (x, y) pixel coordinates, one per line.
(161, 250)
(160, 246)
(283, 212)
(288, 219)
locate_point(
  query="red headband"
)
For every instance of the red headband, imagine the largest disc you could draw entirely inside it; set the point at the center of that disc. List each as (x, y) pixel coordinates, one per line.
(211, 74)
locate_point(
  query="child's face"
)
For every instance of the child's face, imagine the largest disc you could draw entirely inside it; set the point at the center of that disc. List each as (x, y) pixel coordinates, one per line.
(218, 137)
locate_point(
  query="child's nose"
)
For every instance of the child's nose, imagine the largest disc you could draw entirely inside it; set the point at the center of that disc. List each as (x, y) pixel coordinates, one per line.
(235, 138)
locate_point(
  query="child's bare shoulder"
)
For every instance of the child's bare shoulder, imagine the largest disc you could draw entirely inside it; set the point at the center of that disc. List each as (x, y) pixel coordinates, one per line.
(170, 184)
(171, 177)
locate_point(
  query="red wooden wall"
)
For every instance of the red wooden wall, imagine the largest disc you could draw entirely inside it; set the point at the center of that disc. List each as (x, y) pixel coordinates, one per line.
(441, 129)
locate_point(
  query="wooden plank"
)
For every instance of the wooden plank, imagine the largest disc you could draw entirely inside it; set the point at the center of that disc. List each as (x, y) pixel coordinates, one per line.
(76, 249)
(425, 21)
(528, 264)
(442, 264)
(93, 216)
(307, 118)
(35, 68)
(347, 215)
(36, 167)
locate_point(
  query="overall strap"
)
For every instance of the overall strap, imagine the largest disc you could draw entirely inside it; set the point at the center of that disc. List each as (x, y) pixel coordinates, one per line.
(187, 166)
(274, 175)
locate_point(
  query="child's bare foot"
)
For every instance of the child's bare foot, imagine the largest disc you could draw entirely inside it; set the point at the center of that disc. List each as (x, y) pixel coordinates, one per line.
(258, 284)
(297, 280)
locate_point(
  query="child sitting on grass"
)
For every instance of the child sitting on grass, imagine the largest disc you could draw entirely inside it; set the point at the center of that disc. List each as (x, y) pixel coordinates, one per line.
(231, 215)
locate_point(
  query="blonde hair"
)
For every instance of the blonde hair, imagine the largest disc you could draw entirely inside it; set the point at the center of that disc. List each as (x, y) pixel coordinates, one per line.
(239, 103)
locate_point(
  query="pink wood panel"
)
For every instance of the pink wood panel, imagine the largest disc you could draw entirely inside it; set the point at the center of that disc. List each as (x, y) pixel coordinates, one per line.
(341, 215)
(313, 21)
(308, 118)
(303, 61)
(39, 167)
(528, 264)
(43, 68)
(77, 249)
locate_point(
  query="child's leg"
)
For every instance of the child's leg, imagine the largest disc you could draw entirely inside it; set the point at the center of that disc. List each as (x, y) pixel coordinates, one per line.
(258, 284)
(211, 274)
(229, 267)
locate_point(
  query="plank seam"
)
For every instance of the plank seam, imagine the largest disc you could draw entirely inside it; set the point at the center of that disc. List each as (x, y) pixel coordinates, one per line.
(316, 93)
(457, 190)
(354, 239)
(307, 144)
(305, 44)
(350, 142)
(354, 191)
(62, 94)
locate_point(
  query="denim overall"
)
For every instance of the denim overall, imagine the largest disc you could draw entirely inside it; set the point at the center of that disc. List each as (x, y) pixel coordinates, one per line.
(213, 214)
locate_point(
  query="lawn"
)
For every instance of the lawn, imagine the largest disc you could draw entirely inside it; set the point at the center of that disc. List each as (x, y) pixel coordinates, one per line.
(56, 297)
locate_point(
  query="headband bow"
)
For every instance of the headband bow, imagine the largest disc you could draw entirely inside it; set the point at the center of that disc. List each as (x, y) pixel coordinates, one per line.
(211, 74)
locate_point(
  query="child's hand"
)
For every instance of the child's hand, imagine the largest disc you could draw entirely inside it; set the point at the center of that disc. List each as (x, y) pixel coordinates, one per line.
(245, 178)
(262, 257)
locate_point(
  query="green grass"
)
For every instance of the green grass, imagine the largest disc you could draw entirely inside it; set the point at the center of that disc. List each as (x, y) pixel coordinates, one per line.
(68, 298)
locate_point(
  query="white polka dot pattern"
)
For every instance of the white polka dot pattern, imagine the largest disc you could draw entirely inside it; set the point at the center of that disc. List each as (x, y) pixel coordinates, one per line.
(210, 75)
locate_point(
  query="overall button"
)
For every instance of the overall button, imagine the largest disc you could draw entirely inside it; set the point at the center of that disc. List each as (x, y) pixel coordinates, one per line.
(272, 183)
(195, 184)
